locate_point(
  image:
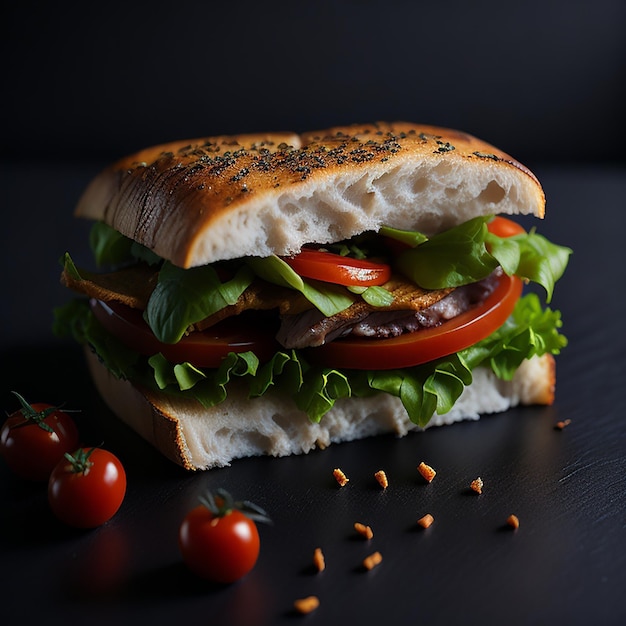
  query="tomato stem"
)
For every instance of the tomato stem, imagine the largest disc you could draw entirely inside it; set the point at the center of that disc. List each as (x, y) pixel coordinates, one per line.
(30, 415)
(80, 460)
(222, 504)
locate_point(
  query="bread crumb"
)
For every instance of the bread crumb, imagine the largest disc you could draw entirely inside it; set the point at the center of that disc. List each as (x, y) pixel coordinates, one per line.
(562, 424)
(426, 521)
(371, 561)
(363, 530)
(318, 560)
(513, 521)
(477, 485)
(381, 477)
(340, 477)
(306, 605)
(427, 472)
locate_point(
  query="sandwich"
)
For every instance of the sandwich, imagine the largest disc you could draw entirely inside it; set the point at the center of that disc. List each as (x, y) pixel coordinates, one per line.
(269, 294)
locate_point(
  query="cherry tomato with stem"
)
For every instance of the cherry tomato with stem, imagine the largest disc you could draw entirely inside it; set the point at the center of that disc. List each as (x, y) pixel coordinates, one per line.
(87, 488)
(219, 539)
(34, 439)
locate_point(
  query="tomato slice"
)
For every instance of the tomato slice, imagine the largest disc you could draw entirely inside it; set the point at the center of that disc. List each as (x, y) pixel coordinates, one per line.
(202, 348)
(424, 345)
(504, 227)
(334, 268)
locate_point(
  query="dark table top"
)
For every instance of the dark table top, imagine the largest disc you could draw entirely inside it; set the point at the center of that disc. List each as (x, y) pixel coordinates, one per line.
(566, 564)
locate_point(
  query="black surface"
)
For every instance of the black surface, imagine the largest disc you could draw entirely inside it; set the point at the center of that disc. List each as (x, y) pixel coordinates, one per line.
(566, 563)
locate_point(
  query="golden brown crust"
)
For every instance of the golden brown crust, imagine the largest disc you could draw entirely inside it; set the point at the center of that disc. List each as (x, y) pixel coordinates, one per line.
(170, 196)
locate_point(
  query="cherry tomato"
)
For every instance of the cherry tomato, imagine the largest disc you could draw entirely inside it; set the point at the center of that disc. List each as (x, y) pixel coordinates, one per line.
(202, 349)
(35, 438)
(219, 541)
(424, 345)
(341, 270)
(86, 489)
(504, 227)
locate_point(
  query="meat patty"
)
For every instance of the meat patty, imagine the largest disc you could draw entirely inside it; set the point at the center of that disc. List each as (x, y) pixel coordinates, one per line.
(311, 328)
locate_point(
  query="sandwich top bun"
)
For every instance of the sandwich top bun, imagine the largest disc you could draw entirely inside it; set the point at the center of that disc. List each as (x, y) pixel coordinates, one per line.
(215, 198)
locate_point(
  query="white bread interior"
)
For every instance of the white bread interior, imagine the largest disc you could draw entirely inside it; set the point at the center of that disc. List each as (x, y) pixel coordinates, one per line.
(198, 438)
(199, 201)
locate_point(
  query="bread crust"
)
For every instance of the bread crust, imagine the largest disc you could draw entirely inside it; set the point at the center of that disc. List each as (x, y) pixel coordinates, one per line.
(198, 201)
(198, 438)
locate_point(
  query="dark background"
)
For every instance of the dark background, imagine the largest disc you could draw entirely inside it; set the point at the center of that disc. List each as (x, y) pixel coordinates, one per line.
(543, 79)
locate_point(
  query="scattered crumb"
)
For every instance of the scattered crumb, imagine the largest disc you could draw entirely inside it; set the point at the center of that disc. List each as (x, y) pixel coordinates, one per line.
(306, 605)
(318, 560)
(340, 477)
(477, 485)
(427, 472)
(381, 477)
(426, 521)
(561, 425)
(372, 560)
(363, 530)
(513, 521)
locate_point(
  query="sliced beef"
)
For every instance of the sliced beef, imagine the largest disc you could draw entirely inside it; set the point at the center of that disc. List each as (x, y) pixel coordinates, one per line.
(311, 328)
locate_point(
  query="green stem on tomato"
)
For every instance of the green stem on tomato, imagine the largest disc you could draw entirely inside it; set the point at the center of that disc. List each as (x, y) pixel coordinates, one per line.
(223, 504)
(80, 460)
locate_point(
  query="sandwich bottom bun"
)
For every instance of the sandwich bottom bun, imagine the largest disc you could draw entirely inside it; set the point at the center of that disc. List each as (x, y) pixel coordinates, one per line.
(197, 438)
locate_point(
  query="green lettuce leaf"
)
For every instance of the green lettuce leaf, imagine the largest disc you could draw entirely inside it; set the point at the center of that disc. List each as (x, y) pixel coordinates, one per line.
(468, 253)
(538, 259)
(70, 267)
(184, 297)
(111, 248)
(374, 296)
(411, 238)
(530, 331)
(209, 387)
(283, 367)
(455, 257)
(328, 298)
(318, 393)
(425, 389)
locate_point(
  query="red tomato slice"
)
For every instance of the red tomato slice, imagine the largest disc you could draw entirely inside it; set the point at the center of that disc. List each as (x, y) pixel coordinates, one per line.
(425, 345)
(504, 227)
(202, 349)
(341, 270)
